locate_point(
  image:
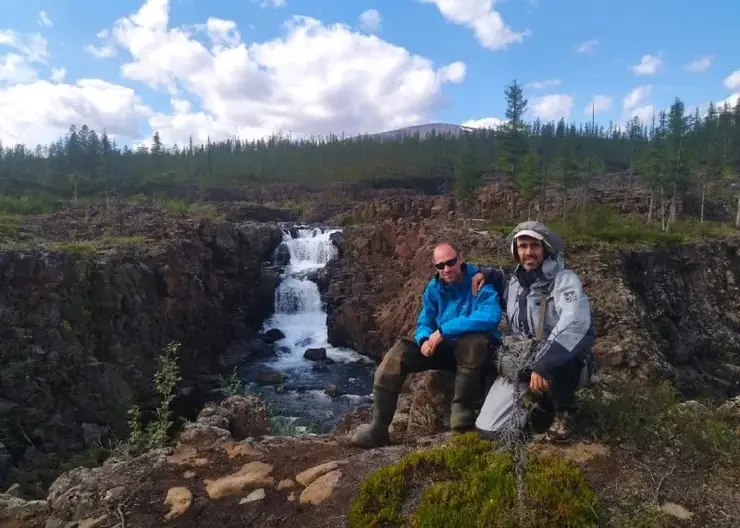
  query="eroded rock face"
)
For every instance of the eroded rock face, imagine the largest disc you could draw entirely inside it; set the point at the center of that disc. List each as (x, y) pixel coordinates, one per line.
(92, 324)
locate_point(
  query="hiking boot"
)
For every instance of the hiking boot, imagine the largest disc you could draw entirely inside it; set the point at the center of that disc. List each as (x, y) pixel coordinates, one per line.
(559, 430)
(375, 434)
(468, 388)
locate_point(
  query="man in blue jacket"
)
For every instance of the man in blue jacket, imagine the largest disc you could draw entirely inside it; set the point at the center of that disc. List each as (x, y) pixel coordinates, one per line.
(456, 330)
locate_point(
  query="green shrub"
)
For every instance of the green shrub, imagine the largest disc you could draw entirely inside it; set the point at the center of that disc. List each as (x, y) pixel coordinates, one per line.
(652, 418)
(472, 483)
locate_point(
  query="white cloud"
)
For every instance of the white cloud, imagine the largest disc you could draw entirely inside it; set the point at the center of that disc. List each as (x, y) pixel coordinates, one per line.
(271, 3)
(637, 96)
(17, 66)
(486, 122)
(599, 103)
(314, 79)
(32, 46)
(58, 74)
(104, 51)
(40, 112)
(732, 100)
(644, 113)
(539, 85)
(14, 69)
(479, 15)
(44, 19)
(552, 106)
(454, 72)
(699, 65)
(732, 81)
(587, 46)
(648, 65)
(370, 20)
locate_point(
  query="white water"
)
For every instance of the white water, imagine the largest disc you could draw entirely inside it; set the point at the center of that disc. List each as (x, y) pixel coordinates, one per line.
(299, 313)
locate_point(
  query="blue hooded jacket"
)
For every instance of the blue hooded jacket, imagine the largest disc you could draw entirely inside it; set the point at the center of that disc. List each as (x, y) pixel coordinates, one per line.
(454, 310)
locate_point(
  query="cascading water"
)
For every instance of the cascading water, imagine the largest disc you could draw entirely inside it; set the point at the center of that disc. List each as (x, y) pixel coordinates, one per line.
(300, 315)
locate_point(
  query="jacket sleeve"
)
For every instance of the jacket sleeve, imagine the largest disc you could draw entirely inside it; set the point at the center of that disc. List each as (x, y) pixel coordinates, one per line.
(573, 333)
(426, 323)
(485, 317)
(496, 278)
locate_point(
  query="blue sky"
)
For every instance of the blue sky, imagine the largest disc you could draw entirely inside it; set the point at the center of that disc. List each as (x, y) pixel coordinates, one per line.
(313, 77)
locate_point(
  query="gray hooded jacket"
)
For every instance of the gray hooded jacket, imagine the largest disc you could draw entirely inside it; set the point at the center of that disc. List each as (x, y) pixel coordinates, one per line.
(568, 331)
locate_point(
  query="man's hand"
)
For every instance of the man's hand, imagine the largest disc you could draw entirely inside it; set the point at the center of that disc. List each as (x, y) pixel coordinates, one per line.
(538, 384)
(478, 281)
(431, 344)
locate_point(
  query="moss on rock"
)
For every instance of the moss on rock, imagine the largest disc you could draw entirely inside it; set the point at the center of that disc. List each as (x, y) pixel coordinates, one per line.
(472, 483)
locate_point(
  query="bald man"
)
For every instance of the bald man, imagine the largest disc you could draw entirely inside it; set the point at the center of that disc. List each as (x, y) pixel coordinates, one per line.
(455, 331)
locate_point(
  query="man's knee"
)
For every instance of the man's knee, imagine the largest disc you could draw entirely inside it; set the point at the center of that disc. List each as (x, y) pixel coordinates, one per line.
(474, 350)
(390, 373)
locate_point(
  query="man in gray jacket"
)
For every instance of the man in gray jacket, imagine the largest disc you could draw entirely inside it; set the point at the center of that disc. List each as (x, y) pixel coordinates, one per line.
(548, 352)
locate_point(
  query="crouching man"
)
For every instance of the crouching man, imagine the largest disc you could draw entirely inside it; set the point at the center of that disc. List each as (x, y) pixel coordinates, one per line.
(456, 331)
(548, 353)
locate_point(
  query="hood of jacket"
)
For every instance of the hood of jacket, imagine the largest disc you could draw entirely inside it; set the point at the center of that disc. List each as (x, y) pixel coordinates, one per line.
(554, 247)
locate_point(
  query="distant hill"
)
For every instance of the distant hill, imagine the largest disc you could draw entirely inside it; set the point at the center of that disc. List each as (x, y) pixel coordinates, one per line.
(423, 130)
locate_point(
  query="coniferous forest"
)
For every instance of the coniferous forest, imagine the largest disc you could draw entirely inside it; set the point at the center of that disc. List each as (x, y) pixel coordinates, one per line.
(678, 151)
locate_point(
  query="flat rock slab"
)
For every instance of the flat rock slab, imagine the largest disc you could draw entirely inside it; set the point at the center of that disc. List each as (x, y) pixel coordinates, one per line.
(256, 495)
(305, 478)
(321, 488)
(251, 474)
(179, 500)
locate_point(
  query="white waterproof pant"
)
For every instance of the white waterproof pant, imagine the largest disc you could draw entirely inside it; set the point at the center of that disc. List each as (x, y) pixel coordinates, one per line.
(498, 409)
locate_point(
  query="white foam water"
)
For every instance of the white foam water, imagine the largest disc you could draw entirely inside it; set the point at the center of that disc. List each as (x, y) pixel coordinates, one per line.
(299, 313)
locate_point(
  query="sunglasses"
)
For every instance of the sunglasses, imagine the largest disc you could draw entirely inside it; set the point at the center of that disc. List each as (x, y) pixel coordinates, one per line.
(450, 263)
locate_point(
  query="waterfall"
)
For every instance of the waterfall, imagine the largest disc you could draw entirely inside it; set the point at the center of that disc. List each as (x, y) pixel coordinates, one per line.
(299, 312)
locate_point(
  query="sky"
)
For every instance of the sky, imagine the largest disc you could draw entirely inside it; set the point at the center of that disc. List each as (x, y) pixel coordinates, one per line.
(251, 68)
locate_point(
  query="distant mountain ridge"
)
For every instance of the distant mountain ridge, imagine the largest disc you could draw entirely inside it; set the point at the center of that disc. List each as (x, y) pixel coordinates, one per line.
(422, 130)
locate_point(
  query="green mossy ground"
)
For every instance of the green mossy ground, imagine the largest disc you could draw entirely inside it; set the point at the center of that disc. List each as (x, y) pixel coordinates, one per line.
(471, 482)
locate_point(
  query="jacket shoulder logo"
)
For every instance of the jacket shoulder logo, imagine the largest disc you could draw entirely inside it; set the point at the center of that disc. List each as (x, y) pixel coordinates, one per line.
(570, 296)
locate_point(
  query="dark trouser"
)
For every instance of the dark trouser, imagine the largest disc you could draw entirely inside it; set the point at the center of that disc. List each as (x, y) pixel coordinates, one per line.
(472, 352)
(563, 386)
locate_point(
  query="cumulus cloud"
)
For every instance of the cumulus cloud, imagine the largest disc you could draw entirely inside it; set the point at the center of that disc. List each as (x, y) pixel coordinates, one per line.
(480, 16)
(731, 101)
(587, 46)
(14, 69)
(637, 96)
(599, 103)
(370, 20)
(485, 122)
(44, 19)
(648, 65)
(314, 79)
(732, 81)
(540, 85)
(699, 65)
(552, 106)
(644, 113)
(40, 112)
(58, 74)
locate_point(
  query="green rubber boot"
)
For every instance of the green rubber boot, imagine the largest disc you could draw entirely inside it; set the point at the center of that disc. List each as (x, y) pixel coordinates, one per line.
(468, 386)
(375, 434)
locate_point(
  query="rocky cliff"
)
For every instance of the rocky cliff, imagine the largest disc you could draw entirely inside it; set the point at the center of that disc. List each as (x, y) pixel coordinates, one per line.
(669, 312)
(83, 323)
